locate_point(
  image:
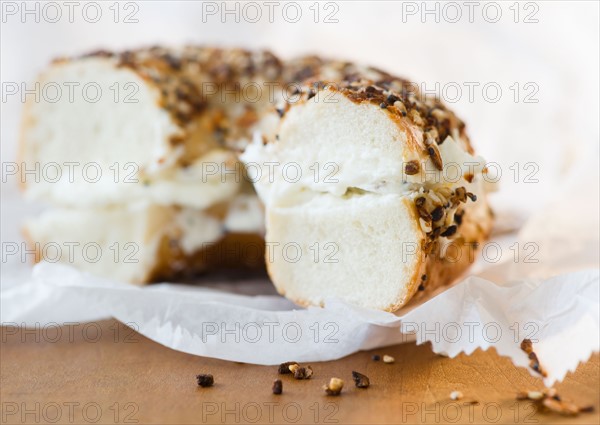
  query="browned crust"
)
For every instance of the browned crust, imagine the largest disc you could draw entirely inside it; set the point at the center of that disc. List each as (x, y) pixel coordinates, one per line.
(190, 82)
(421, 267)
(443, 271)
(437, 271)
(181, 75)
(397, 96)
(242, 251)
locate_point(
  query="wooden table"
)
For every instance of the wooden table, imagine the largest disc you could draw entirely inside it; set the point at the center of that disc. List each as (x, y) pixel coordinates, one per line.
(121, 377)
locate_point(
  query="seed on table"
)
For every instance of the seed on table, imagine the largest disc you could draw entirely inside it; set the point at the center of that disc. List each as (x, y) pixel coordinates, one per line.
(334, 387)
(205, 380)
(302, 372)
(360, 380)
(277, 386)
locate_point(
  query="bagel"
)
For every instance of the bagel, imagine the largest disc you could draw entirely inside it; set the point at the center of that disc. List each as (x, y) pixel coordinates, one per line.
(386, 197)
(371, 191)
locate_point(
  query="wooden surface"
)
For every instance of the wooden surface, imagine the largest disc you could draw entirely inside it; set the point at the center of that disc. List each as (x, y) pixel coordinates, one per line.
(122, 377)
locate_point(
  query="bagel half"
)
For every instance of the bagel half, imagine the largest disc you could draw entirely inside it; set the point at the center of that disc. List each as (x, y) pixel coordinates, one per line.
(385, 197)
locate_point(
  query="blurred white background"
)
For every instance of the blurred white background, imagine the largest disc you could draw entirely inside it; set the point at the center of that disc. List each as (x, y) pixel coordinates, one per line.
(544, 56)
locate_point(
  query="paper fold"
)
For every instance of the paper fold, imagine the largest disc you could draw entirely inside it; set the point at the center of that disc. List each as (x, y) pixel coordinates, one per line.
(476, 313)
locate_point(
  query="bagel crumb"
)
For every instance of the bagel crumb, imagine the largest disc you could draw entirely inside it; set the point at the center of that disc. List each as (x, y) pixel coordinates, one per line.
(308, 372)
(456, 395)
(388, 359)
(360, 380)
(284, 368)
(205, 380)
(534, 362)
(548, 400)
(561, 407)
(301, 372)
(527, 346)
(334, 387)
